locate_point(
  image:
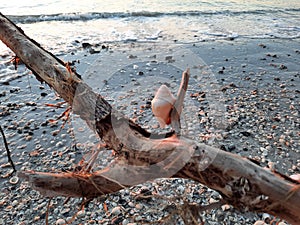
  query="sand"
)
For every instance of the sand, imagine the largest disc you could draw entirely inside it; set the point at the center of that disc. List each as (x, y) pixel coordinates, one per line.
(258, 84)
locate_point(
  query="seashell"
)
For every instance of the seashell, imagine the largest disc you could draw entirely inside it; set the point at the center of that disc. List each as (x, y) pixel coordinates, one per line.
(14, 180)
(260, 222)
(296, 177)
(162, 104)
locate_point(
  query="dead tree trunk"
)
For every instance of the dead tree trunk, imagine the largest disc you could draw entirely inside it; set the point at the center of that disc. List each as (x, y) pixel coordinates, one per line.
(241, 183)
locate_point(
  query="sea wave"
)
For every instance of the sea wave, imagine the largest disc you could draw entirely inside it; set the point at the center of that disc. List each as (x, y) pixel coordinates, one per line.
(107, 15)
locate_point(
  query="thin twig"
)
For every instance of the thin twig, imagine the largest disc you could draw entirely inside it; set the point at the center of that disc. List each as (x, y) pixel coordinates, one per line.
(7, 150)
(47, 211)
(178, 105)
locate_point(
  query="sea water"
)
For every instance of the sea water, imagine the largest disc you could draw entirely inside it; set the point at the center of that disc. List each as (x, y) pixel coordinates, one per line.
(62, 25)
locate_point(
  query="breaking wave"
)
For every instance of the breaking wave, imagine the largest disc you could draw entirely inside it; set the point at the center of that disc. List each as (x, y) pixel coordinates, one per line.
(117, 15)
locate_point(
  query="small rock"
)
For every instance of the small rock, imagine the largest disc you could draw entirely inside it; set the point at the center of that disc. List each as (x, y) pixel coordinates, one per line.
(145, 190)
(283, 67)
(295, 177)
(86, 45)
(246, 133)
(65, 211)
(131, 204)
(266, 217)
(180, 189)
(81, 214)
(132, 57)
(212, 200)
(169, 57)
(54, 133)
(2, 94)
(116, 210)
(36, 218)
(139, 206)
(60, 222)
(281, 223)
(262, 45)
(14, 203)
(28, 138)
(260, 222)
(138, 218)
(231, 147)
(30, 103)
(225, 207)
(59, 144)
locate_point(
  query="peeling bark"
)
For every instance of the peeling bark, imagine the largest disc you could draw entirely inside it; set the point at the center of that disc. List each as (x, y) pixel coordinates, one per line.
(141, 156)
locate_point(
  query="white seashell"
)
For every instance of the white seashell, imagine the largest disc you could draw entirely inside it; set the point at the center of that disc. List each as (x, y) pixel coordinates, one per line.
(266, 216)
(162, 104)
(260, 222)
(296, 177)
(14, 180)
(282, 223)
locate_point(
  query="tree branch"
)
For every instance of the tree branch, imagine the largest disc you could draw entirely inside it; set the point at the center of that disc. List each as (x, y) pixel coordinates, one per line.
(7, 150)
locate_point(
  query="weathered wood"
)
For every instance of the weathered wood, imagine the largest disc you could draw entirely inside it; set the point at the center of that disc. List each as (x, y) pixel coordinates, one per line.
(178, 105)
(140, 156)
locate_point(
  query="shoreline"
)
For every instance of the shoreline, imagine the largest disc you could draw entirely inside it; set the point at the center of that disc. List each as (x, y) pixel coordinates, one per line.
(259, 81)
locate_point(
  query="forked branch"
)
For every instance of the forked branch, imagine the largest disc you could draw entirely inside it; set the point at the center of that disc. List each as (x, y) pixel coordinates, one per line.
(242, 183)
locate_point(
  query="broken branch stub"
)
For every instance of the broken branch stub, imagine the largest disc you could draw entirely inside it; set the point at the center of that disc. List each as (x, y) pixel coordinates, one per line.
(178, 105)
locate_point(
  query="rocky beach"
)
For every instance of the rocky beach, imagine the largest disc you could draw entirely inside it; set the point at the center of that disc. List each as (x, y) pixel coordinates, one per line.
(256, 83)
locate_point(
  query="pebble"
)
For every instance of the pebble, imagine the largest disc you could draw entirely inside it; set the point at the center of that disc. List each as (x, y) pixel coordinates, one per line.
(132, 56)
(28, 138)
(139, 206)
(295, 177)
(14, 203)
(281, 223)
(212, 200)
(22, 146)
(180, 189)
(116, 210)
(81, 214)
(225, 207)
(60, 222)
(231, 147)
(59, 144)
(138, 218)
(260, 222)
(65, 210)
(131, 204)
(266, 217)
(54, 133)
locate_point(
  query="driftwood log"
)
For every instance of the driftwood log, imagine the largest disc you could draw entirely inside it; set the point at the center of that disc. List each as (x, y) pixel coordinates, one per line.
(141, 156)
